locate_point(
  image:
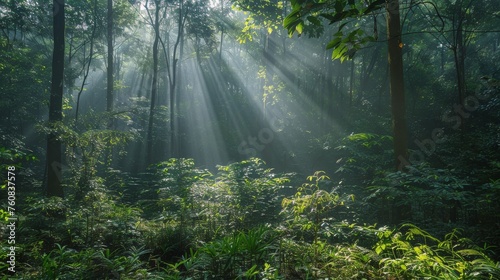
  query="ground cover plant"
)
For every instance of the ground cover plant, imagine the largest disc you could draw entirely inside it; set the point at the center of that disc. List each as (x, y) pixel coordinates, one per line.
(209, 229)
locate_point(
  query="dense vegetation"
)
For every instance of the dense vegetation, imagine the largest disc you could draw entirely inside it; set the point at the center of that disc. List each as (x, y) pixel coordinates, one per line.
(184, 139)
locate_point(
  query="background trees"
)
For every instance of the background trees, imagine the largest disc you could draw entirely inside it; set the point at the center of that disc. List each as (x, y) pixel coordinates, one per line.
(296, 90)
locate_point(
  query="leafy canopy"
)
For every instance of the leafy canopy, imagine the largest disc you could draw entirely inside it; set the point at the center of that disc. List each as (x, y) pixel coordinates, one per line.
(345, 43)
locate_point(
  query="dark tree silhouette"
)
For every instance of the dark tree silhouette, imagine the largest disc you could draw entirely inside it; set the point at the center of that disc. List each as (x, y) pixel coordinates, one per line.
(54, 149)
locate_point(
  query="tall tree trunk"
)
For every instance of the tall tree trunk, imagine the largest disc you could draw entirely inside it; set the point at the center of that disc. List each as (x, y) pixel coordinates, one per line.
(351, 83)
(221, 34)
(174, 149)
(109, 92)
(398, 106)
(89, 62)
(154, 85)
(460, 11)
(54, 146)
(266, 53)
(325, 92)
(178, 148)
(172, 102)
(221, 41)
(395, 45)
(459, 45)
(459, 57)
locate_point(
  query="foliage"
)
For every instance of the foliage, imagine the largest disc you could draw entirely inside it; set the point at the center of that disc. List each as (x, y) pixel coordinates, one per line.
(313, 211)
(238, 256)
(66, 263)
(256, 191)
(243, 219)
(101, 235)
(262, 15)
(200, 23)
(194, 205)
(365, 154)
(453, 257)
(95, 220)
(24, 76)
(312, 207)
(344, 45)
(13, 152)
(432, 193)
(87, 151)
(177, 177)
(333, 261)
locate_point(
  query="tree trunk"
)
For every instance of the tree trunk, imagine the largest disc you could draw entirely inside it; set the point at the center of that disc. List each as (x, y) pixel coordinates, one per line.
(178, 148)
(89, 62)
(395, 45)
(398, 109)
(459, 57)
(221, 34)
(351, 83)
(109, 92)
(54, 146)
(154, 85)
(174, 148)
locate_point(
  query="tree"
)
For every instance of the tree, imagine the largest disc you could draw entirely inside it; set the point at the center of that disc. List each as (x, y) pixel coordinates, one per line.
(154, 87)
(109, 90)
(398, 104)
(171, 65)
(263, 22)
(172, 69)
(458, 24)
(87, 63)
(92, 33)
(346, 45)
(54, 146)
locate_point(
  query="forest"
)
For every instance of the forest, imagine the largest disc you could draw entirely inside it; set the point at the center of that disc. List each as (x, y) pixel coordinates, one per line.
(250, 139)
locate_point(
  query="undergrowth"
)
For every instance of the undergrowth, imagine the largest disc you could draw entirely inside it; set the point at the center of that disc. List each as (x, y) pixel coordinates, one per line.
(246, 222)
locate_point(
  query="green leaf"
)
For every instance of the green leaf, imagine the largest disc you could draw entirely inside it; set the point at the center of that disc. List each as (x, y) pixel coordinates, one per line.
(334, 43)
(314, 20)
(329, 17)
(339, 51)
(342, 26)
(374, 6)
(299, 27)
(292, 19)
(339, 6)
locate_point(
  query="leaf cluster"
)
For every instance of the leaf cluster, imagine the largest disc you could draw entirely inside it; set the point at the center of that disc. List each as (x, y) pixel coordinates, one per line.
(344, 45)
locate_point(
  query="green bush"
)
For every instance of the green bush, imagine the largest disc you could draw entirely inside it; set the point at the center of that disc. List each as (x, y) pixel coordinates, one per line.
(413, 253)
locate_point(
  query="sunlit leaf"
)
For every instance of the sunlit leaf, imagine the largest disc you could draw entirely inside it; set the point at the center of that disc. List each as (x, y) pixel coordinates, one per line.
(299, 27)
